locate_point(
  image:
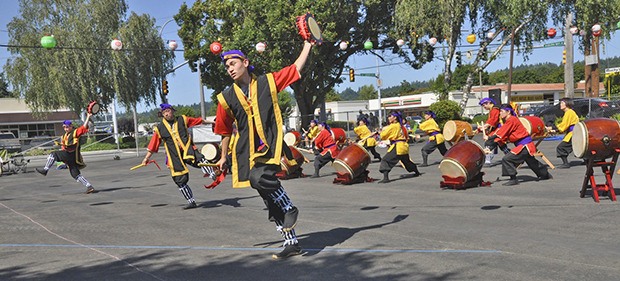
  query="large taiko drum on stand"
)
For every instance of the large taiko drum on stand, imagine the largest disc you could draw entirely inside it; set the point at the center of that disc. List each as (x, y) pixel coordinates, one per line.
(534, 126)
(352, 160)
(292, 138)
(456, 130)
(340, 136)
(596, 138)
(464, 159)
(289, 167)
(211, 152)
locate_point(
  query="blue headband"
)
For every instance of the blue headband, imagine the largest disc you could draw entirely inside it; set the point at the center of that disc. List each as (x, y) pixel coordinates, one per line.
(314, 121)
(66, 123)
(365, 120)
(324, 124)
(165, 106)
(485, 100)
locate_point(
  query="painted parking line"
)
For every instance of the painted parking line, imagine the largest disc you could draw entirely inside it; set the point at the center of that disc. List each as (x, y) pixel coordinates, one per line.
(338, 250)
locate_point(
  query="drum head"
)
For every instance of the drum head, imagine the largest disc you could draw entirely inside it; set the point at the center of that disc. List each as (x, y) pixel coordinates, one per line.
(210, 151)
(580, 139)
(93, 107)
(290, 139)
(313, 27)
(451, 168)
(449, 130)
(342, 168)
(526, 123)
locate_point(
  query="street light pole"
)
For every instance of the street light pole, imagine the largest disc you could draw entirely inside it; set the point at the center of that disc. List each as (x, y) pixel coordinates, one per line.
(379, 92)
(163, 74)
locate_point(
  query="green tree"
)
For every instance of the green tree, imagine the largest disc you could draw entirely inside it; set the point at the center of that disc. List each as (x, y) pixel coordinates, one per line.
(349, 94)
(332, 95)
(446, 110)
(286, 103)
(4, 87)
(367, 92)
(83, 67)
(241, 24)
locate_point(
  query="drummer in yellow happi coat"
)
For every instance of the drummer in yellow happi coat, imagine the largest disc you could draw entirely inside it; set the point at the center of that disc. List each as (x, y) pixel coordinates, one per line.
(366, 138)
(435, 139)
(569, 120)
(396, 133)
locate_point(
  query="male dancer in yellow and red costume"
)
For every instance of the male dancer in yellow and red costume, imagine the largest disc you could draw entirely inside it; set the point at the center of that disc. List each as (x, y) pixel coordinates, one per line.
(69, 153)
(513, 131)
(569, 120)
(180, 149)
(490, 126)
(435, 137)
(325, 147)
(252, 104)
(396, 133)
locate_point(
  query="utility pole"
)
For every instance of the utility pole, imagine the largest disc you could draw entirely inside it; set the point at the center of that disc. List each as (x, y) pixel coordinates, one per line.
(569, 82)
(512, 52)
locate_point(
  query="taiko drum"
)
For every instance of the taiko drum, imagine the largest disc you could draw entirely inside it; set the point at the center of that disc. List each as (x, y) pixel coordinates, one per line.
(287, 165)
(352, 160)
(455, 130)
(464, 159)
(534, 126)
(596, 138)
(292, 138)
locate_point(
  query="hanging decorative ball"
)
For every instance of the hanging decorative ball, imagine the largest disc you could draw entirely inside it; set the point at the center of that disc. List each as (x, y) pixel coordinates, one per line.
(490, 35)
(471, 38)
(618, 25)
(596, 27)
(596, 33)
(551, 32)
(582, 32)
(48, 41)
(172, 45)
(344, 45)
(432, 41)
(116, 45)
(368, 45)
(574, 30)
(215, 48)
(400, 42)
(260, 47)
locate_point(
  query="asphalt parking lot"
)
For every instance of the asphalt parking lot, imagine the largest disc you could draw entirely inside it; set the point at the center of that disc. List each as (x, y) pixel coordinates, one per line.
(410, 229)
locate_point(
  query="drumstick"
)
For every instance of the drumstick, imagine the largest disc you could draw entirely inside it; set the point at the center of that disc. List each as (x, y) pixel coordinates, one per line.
(618, 172)
(208, 165)
(144, 165)
(305, 150)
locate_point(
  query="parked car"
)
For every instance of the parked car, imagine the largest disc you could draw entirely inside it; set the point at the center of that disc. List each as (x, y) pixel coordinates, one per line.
(9, 142)
(584, 107)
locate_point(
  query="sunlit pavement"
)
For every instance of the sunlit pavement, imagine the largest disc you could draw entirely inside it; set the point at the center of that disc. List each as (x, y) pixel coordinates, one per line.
(134, 228)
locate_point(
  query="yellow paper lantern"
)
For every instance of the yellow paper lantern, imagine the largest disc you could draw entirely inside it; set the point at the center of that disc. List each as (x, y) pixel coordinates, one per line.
(471, 38)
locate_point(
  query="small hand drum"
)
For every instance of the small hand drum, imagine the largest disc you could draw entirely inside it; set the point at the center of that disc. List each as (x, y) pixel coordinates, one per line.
(309, 29)
(93, 107)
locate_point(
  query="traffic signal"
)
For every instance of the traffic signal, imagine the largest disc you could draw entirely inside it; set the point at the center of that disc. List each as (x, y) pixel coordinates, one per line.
(564, 56)
(164, 87)
(351, 75)
(459, 61)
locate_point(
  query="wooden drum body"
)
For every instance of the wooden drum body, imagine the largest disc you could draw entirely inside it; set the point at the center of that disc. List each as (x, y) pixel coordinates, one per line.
(340, 136)
(292, 138)
(455, 130)
(287, 166)
(596, 138)
(464, 159)
(211, 152)
(534, 126)
(352, 160)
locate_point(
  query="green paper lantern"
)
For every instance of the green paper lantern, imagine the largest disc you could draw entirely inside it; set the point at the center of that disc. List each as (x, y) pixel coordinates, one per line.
(48, 41)
(368, 45)
(618, 25)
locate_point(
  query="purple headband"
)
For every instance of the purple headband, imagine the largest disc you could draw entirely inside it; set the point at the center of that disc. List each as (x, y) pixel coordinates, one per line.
(324, 124)
(485, 100)
(165, 106)
(236, 54)
(365, 120)
(432, 114)
(66, 123)
(398, 116)
(233, 54)
(314, 121)
(508, 108)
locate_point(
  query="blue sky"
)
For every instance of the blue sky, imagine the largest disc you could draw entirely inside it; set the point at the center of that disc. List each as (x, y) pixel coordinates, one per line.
(184, 85)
